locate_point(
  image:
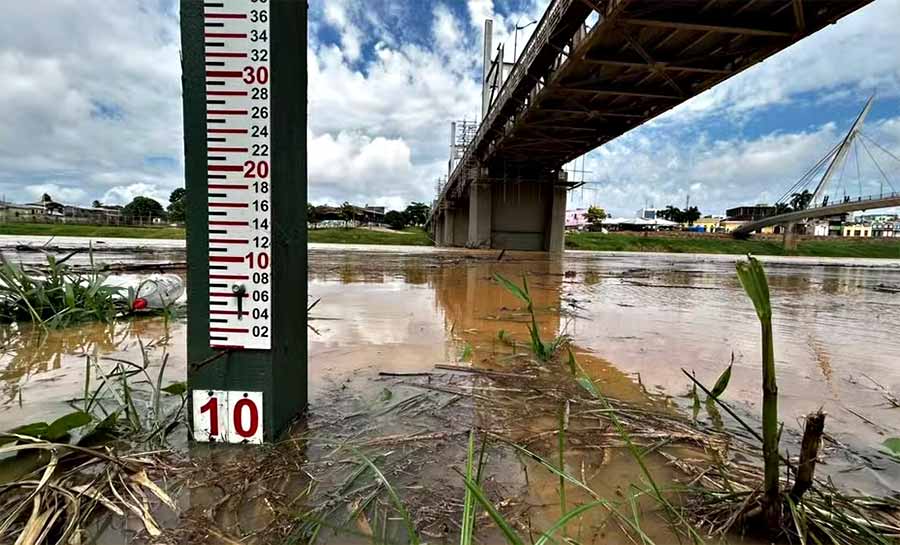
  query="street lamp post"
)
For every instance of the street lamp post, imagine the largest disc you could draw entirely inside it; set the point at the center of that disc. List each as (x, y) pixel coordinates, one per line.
(516, 39)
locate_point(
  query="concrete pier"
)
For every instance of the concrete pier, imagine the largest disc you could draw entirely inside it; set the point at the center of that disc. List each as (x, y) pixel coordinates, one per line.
(527, 215)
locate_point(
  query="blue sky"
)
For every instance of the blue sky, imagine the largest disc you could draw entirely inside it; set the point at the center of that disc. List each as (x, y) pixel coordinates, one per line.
(91, 105)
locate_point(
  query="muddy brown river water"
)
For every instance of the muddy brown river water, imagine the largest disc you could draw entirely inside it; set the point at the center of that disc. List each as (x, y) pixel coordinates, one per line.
(635, 321)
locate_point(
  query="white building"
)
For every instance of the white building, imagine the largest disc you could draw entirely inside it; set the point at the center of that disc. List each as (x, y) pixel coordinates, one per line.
(577, 219)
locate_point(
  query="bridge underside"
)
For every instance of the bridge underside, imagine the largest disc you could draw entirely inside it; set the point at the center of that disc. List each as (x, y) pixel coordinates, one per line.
(577, 87)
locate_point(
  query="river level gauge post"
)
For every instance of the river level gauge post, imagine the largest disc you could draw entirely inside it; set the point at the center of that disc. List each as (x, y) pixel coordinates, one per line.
(244, 92)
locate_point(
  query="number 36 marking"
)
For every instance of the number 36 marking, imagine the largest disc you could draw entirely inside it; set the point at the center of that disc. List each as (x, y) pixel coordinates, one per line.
(227, 417)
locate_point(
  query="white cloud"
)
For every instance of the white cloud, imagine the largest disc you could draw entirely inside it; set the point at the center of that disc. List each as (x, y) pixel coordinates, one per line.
(124, 194)
(59, 193)
(352, 162)
(644, 168)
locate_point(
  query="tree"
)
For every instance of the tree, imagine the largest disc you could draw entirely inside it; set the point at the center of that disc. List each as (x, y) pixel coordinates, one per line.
(799, 201)
(178, 205)
(143, 207)
(396, 220)
(348, 213)
(417, 213)
(312, 215)
(595, 215)
(96, 204)
(690, 215)
(671, 213)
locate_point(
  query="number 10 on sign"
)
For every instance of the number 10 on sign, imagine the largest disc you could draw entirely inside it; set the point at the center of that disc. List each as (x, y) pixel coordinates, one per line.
(228, 417)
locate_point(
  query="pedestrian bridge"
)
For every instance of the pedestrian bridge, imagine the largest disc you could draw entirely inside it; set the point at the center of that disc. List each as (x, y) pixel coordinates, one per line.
(845, 207)
(591, 71)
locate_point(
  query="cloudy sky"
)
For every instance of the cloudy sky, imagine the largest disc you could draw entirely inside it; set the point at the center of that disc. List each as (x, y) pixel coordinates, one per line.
(90, 106)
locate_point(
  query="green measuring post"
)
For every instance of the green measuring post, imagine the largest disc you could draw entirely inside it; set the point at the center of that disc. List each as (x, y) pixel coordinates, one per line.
(244, 86)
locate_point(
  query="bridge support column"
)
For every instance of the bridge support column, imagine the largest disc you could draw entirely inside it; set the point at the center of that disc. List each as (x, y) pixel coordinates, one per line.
(437, 225)
(455, 225)
(789, 238)
(556, 222)
(447, 228)
(480, 216)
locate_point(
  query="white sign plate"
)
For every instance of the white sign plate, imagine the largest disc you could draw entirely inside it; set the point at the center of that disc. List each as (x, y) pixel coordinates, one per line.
(239, 161)
(228, 416)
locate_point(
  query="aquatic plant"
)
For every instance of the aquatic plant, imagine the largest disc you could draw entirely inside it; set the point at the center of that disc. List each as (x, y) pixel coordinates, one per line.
(58, 296)
(543, 351)
(753, 279)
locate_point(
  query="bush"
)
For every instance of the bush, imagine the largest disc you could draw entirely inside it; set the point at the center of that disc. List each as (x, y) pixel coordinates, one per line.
(396, 220)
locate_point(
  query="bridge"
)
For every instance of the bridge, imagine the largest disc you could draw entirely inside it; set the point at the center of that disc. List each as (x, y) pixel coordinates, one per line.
(870, 202)
(591, 71)
(833, 165)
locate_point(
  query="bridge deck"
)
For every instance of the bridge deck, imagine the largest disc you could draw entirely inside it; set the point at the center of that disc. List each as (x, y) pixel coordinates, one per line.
(869, 203)
(577, 87)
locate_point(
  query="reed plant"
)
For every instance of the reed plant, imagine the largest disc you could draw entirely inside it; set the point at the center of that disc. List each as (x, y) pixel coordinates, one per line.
(544, 351)
(753, 279)
(58, 296)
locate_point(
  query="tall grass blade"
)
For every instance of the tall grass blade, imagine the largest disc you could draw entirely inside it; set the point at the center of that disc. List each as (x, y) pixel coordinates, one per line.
(561, 523)
(589, 385)
(523, 295)
(563, 427)
(512, 537)
(395, 499)
(468, 520)
(551, 467)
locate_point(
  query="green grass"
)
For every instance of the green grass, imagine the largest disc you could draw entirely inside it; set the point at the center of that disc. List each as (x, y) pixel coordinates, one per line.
(93, 231)
(412, 236)
(627, 242)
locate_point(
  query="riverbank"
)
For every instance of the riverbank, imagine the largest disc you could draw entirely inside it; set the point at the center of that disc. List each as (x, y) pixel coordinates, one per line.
(90, 231)
(679, 243)
(700, 244)
(411, 236)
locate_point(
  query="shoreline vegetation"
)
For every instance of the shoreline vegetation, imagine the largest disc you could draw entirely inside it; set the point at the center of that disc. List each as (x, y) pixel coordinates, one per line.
(612, 242)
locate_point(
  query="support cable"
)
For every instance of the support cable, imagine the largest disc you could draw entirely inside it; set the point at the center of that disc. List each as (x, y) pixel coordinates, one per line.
(805, 179)
(883, 175)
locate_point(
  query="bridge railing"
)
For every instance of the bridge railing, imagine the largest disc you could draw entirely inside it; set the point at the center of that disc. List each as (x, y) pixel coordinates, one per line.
(860, 198)
(535, 44)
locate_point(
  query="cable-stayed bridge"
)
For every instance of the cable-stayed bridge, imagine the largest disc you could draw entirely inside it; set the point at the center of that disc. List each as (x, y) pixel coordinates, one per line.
(840, 188)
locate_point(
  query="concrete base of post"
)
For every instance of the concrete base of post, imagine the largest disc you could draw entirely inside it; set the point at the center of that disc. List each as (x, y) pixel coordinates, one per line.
(789, 238)
(480, 227)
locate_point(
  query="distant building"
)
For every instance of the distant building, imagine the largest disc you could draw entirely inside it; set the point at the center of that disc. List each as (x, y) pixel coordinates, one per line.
(648, 213)
(826, 227)
(886, 229)
(330, 216)
(710, 224)
(750, 213)
(638, 224)
(576, 219)
(856, 230)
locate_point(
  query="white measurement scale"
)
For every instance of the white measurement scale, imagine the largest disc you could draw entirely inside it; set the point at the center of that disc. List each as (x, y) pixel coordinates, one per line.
(239, 160)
